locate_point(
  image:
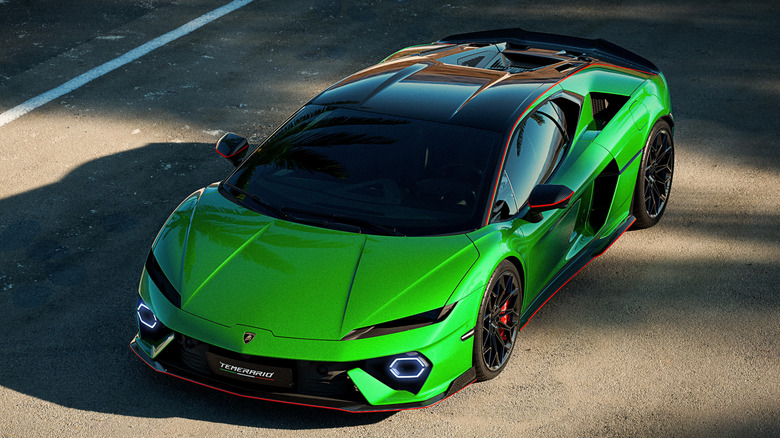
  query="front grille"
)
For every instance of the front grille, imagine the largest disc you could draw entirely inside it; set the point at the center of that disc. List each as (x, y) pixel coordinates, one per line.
(322, 379)
(193, 354)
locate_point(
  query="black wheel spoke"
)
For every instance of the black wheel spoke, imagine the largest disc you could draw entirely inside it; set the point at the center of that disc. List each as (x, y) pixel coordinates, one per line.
(656, 194)
(650, 201)
(495, 350)
(664, 154)
(664, 142)
(656, 199)
(656, 149)
(508, 297)
(658, 173)
(505, 326)
(502, 342)
(500, 322)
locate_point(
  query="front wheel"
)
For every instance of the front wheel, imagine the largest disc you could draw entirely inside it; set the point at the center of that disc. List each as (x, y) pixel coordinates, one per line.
(654, 183)
(498, 321)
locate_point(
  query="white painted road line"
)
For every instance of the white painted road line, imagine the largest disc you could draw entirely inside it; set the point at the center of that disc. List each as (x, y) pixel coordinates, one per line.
(42, 99)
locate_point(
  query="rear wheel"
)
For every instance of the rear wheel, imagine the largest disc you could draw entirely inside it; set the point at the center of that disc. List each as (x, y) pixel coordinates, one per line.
(498, 321)
(654, 183)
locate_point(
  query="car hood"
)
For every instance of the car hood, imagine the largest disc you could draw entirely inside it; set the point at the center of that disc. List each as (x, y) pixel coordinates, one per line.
(235, 266)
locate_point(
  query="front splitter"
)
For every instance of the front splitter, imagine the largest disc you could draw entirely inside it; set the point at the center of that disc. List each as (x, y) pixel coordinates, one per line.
(458, 384)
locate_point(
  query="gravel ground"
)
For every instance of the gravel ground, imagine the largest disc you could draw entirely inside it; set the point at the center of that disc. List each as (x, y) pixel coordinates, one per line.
(675, 331)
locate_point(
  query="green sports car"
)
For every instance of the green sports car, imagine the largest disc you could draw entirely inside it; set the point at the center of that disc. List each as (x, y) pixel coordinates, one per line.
(383, 248)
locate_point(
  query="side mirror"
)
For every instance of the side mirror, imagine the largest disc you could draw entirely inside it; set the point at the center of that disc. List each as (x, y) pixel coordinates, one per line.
(233, 147)
(547, 197)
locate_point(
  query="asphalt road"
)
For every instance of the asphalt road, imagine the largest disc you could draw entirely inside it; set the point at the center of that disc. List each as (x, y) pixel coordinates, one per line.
(675, 331)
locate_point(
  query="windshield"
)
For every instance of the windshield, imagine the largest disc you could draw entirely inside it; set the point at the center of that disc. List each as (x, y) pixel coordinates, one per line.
(373, 173)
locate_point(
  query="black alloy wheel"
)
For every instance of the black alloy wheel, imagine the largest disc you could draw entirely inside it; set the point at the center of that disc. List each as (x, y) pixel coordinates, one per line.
(654, 184)
(498, 321)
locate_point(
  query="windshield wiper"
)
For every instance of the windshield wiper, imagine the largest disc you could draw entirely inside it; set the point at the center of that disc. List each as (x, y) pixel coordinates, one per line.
(264, 205)
(362, 224)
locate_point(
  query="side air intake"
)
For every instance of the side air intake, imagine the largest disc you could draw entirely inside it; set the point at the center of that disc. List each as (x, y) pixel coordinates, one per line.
(605, 106)
(603, 191)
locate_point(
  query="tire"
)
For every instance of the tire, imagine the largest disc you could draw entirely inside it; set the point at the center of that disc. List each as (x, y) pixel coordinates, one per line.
(498, 321)
(654, 183)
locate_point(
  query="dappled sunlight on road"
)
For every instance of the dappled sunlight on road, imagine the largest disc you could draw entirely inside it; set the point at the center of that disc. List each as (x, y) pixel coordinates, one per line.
(673, 331)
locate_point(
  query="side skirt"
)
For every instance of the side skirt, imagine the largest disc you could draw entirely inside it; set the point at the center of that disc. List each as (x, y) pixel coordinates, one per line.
(597, 247)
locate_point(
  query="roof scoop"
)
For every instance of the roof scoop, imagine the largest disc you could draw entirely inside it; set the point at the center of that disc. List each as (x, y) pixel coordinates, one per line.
(518, 62)
(508, 57)
(583, 48)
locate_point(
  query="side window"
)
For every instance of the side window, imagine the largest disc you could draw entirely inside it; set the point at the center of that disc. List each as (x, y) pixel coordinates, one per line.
(535, 149)
(507, 194)
(553, 111)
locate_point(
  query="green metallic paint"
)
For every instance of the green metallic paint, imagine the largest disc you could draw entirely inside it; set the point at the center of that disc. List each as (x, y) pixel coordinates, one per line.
(270, 265)
(376, 392)
(426, 271)
(562, 234)
(600, 78)
(301, 288)
(174, 233)
(440, 343)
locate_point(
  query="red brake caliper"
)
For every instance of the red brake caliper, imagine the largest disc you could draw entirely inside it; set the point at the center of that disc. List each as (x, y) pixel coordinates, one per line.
(505, 320)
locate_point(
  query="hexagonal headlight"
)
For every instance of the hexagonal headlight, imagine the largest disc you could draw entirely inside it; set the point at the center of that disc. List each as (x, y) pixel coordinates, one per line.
(149, 327)
(407, 371)
(408, 367)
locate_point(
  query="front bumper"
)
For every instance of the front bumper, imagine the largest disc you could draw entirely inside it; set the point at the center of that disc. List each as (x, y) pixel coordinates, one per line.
(350, 382)
(338, 388)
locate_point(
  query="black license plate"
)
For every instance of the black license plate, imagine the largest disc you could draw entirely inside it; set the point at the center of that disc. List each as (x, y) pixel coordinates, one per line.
(250, 372)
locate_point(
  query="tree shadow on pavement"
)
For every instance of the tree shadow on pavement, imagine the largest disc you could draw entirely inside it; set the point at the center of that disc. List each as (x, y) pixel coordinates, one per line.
(71, 254)
(702, 322)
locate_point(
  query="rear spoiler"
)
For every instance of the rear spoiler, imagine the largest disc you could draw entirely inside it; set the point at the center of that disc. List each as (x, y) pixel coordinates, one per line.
(597, 48)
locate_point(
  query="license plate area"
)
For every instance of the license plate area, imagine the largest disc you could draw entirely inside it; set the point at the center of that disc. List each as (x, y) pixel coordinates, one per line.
(250, 372)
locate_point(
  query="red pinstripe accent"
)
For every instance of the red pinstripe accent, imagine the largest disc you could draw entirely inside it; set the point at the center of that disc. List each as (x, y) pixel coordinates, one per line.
(233, 154)
(554, 203)
(295, 403)
(503, 158)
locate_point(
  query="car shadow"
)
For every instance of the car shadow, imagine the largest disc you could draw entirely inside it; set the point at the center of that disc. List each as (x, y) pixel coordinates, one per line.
(70, 257)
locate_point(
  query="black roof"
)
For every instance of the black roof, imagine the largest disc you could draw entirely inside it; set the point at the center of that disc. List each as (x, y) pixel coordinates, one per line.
(484, 80)
(603, 50)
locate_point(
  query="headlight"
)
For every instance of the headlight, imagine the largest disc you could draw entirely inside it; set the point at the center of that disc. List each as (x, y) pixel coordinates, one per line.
(408, 367)
(146, 316)
(149, 327)
(407, 371)
(400, 325)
